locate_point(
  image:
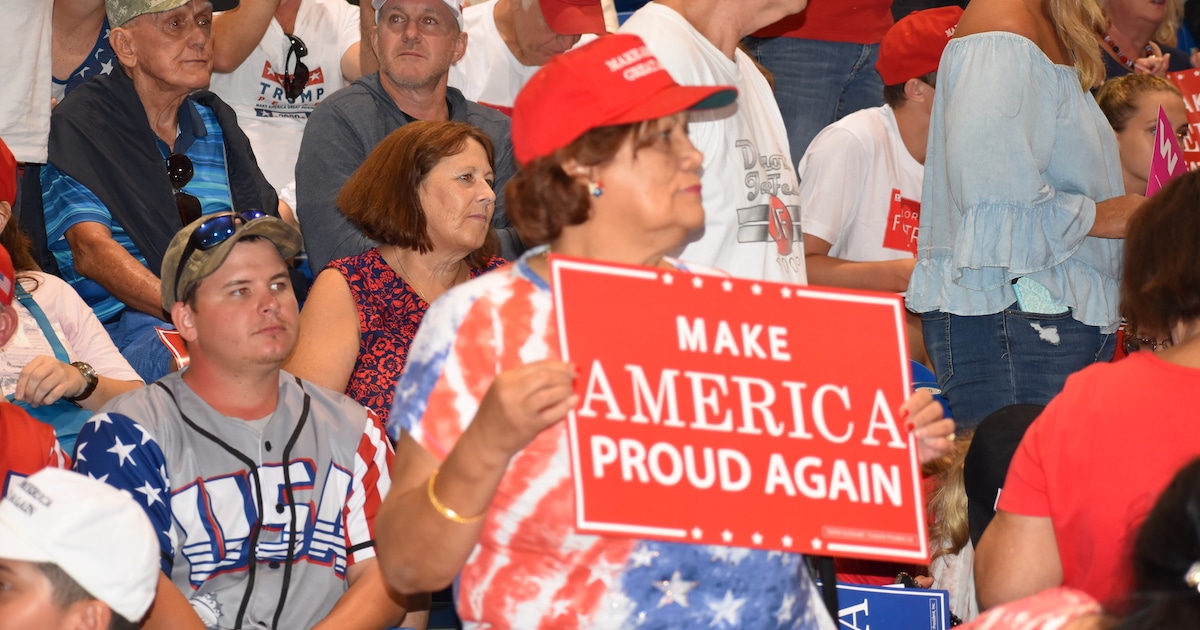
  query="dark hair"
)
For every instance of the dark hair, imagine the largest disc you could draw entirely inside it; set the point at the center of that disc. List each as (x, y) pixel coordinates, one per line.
(894, 96)
(543, 198)
(1160, 285)
(20, 249)
(66, 591)
(1167, 544)
(383, 197)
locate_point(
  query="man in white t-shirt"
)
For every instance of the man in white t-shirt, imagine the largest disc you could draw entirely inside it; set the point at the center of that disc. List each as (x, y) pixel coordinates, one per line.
(751, 198)
(259, 49)
(860, 179)
(510, 39)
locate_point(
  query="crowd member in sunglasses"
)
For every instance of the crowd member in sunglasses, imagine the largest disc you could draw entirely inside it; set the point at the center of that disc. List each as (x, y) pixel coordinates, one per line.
(415, 41)
(135, 155)
(426, 194)
(263, 488)
(274, 62)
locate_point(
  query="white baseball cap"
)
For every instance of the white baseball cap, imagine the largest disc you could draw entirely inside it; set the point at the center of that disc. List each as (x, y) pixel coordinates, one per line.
(94, 532)
(455, 8)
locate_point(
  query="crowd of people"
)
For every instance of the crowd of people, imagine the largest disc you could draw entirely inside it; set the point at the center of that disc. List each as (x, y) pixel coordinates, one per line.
(278, 330)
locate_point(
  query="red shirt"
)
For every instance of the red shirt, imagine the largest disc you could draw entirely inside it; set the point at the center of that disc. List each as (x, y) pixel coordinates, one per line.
(854, 21)
(1097, 459)
(26, 445)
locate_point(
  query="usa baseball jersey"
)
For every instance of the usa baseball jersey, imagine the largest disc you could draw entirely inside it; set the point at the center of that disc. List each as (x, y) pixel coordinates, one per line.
(531, 568)
(216, 488)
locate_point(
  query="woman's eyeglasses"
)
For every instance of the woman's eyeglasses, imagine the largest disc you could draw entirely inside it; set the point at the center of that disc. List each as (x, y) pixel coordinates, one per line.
(179, 169)
(213, 232)
(295, 82)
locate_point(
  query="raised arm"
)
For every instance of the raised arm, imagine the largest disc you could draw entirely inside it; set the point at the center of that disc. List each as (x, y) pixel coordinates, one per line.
(422, 545)
(237, 32)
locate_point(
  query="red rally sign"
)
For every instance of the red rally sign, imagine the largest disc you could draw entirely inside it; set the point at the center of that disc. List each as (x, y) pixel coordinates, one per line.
(741, 413)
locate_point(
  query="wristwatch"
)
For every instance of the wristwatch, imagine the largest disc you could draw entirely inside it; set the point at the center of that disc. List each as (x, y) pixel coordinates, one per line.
(89, 377)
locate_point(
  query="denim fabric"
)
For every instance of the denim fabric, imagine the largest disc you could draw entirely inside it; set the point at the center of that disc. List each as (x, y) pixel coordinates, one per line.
(133, 334)
(816, 82)
(1018, 156)
(987, 362)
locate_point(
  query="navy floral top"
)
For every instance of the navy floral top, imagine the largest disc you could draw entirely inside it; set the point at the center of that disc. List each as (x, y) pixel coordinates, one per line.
(389, 312)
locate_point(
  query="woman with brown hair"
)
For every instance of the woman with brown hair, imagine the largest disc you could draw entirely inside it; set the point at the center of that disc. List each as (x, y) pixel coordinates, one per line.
(481, 483)
(426, 194)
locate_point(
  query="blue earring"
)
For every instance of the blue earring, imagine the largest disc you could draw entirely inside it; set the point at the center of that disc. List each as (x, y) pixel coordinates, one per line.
(596, 188)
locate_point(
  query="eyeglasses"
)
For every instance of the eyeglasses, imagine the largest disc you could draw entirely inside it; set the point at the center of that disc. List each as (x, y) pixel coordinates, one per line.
(213, 232)
(295, 82)
(179, 169)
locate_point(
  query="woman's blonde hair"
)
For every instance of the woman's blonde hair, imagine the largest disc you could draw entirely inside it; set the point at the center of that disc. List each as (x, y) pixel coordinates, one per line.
(1118, 97)
(949, 529)
(1077, 23)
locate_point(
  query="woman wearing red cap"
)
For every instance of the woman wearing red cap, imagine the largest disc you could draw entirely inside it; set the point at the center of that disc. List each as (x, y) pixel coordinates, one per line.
(608, 174)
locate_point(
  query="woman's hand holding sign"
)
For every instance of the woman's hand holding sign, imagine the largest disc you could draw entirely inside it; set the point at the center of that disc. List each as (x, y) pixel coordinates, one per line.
(935, 432)
(524, 401)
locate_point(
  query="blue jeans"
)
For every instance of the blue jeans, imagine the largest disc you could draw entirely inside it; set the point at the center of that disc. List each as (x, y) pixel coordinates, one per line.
(986, 362)
(817, 83)
(133, 334)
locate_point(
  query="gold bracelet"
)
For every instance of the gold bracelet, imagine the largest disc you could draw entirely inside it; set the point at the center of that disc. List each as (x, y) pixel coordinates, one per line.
(442, 509)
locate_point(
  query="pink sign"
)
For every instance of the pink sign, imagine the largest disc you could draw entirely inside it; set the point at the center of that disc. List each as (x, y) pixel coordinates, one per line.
(1167, 162)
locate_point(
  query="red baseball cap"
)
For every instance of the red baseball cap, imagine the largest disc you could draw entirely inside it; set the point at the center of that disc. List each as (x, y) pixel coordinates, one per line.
(8, 278)
(574, 17)
(913, 46)
(8, 175)
(611, 81)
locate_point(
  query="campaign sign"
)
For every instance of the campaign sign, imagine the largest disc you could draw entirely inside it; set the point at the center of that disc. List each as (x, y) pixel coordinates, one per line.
(1188, 82)
(862, 607)
(732, 412)
(1167, 161)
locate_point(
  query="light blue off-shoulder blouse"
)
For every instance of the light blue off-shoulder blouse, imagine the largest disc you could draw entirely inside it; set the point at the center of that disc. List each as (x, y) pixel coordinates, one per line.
(1018, 156)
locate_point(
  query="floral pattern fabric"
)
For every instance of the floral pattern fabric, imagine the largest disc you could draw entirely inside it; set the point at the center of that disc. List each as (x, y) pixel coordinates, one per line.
(389, 313)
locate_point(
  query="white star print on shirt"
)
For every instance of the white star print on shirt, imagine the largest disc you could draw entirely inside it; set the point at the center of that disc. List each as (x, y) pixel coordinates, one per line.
(784, 614)
(152, 494)
(728, 610)
(675, 591)
(122, 451)
(106, 67)
(98, 420)
(642, 557)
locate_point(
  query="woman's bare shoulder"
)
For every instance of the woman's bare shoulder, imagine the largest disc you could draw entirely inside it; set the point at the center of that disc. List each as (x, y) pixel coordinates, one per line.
(983, 16)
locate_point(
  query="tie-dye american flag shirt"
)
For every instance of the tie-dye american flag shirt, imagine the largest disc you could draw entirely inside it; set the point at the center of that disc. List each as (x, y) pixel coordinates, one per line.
(531, 568)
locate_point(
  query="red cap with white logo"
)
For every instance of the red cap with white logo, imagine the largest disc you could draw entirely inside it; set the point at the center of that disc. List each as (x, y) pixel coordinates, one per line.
(611, 81)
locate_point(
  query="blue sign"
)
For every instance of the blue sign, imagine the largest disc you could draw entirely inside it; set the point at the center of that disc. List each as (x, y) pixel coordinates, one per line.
(862, 607)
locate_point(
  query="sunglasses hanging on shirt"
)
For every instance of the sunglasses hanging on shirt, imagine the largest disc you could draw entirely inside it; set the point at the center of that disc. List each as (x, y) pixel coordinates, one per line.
(294, 82)
(180, 171)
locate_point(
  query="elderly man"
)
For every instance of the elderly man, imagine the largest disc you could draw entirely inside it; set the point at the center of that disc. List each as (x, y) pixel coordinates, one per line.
(262, 487)
(135, 155)
(74, 554)
(416, 41)
(511, 39)
(751, 199)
